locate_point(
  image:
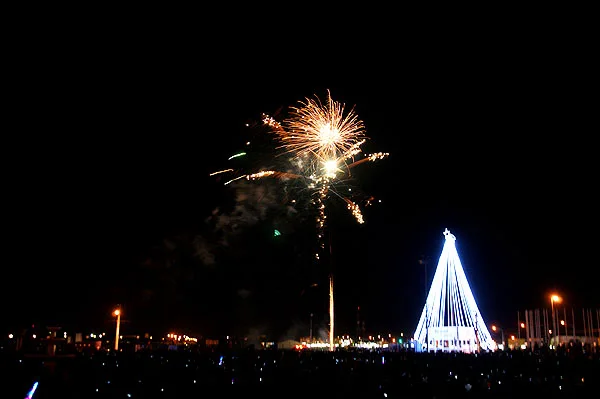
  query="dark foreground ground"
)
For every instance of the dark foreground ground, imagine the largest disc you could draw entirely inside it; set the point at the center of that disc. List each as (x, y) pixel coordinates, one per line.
(290, 374)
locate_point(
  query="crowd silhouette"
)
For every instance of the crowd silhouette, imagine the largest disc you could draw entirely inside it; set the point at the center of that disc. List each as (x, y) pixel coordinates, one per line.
(568, 372)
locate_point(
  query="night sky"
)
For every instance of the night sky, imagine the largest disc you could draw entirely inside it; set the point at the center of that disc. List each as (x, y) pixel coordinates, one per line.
(108, 199)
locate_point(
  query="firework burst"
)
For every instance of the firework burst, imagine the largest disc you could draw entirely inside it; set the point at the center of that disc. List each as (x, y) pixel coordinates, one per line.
(319, 144)
(321, 129)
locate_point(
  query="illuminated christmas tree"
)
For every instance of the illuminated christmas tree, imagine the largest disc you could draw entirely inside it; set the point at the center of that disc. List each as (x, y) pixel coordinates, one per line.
(450, 320)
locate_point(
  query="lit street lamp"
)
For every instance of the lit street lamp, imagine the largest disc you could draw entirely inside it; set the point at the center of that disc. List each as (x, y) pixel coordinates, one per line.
(554, 298)
(564, 324)
(117, 313)
(494, 328)
(522, 325)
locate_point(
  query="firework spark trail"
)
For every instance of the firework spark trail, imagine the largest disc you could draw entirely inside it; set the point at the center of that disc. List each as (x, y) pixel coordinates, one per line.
(221, 171)
(369, 158)
(241, 154)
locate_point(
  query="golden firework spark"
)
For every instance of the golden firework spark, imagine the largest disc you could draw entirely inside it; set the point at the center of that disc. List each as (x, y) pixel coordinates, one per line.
(322, 130)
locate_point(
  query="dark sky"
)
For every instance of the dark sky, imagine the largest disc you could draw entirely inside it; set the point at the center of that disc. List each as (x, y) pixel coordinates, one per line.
(109, 143)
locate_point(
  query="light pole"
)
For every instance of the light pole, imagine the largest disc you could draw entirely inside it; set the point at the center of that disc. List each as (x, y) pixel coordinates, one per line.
(423, 261)
(554, 298)
(522, 325)
(494, 328)
(117, 313)
(311, 339)
(331, 314)
(564, 324)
